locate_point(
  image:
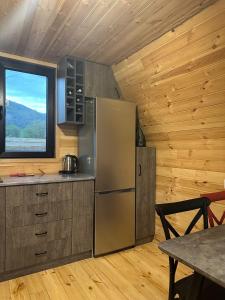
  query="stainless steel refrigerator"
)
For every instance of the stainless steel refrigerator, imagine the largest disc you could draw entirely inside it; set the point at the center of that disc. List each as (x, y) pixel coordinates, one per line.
(107, 150)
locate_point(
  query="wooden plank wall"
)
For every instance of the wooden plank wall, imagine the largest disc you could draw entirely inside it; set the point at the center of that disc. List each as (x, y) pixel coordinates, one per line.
(66, 142)
(178, 83)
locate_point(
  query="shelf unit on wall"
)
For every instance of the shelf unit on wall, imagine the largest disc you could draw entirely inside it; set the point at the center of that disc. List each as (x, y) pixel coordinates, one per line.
(71, 87)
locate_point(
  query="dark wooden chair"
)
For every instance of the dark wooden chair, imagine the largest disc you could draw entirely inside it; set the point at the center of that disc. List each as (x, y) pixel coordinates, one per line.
(214, 197)
(210, 289)
(180, 289)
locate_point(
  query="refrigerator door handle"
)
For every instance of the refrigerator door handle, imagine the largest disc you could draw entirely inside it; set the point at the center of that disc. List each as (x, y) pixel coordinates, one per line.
(117, 191)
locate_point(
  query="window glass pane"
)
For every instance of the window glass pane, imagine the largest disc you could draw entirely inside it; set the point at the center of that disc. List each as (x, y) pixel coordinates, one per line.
(26, 101)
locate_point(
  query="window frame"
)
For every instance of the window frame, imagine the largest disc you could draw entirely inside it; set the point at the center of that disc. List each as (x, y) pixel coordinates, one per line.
(27, 67)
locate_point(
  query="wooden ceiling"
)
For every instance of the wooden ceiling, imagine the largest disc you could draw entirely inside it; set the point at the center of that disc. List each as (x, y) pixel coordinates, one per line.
(104, 31)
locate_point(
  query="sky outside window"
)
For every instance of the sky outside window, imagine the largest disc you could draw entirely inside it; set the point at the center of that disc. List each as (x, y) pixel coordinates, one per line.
(26, 99)
(27, 89)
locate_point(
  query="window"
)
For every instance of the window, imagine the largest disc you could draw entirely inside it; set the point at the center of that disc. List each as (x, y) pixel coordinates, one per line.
(26, 110)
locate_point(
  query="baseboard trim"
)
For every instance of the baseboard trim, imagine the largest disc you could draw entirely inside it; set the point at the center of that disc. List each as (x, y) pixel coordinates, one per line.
(37, 268)
(144, 240)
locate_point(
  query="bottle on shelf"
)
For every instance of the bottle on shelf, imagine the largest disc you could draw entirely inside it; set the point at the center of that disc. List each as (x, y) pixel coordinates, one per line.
(70, 92)
(70, 65)
(79, 90)
(79, 109)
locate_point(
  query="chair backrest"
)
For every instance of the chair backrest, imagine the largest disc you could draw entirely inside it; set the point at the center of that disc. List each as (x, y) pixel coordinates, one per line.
(166, 209)
(214, 197)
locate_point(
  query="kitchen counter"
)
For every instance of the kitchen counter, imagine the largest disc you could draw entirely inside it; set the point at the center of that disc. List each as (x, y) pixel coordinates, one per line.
(45, 221)
(48, 178)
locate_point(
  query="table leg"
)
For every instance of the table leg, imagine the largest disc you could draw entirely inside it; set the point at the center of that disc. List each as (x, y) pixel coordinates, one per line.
(195, 289)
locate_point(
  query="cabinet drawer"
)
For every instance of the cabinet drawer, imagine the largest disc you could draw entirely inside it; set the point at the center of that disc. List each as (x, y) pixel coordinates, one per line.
(30, 256)
(26, 195)
(29, 245)
(37, 194)
(33, 235)
(23, 215)
(18, 216)
(27, 205)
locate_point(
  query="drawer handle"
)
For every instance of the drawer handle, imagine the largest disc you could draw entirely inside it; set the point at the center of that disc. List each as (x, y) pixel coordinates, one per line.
(41, 214)
(139, 170)
(42, 233)
(41, 253)
(42, 194)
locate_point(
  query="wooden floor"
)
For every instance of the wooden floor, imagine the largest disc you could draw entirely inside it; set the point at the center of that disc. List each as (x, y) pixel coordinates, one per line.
(139, 273)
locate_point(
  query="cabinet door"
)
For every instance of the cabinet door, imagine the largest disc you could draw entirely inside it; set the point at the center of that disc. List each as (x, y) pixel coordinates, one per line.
(2, 229)
(145, 194)
(83, 210)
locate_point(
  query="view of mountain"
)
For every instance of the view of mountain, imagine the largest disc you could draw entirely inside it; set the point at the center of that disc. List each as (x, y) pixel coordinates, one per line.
(24, 122)
(22, 116)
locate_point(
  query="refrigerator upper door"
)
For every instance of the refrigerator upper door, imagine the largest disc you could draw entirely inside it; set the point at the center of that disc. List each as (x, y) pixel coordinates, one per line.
(114, 221)
(115, 144)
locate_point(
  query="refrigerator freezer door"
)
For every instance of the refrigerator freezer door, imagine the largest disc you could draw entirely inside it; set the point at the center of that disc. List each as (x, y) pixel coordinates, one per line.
(114, 221)
(115, 144)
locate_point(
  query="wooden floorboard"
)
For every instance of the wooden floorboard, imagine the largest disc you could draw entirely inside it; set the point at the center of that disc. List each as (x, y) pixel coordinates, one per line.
(138, 273)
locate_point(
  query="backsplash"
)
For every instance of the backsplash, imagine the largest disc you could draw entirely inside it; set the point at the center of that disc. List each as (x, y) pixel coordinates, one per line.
(66, 142)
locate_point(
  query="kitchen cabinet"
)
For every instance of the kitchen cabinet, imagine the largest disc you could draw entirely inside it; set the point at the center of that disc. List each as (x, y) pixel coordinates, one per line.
(145, 194)
(70, 88)
(83, 213)
(2, 229)
(77, 79)
(44, 225)
(100, 81)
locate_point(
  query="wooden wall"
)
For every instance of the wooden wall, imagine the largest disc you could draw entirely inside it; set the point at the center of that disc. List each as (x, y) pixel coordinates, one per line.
(178, 83)
(66, 142)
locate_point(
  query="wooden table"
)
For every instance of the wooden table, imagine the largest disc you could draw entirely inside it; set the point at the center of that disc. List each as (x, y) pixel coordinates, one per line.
(203, 251)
